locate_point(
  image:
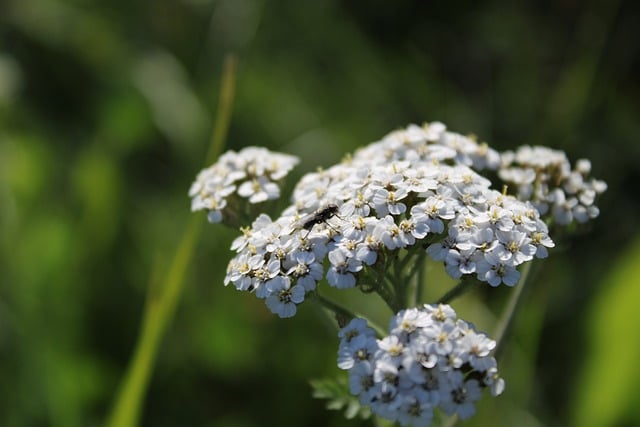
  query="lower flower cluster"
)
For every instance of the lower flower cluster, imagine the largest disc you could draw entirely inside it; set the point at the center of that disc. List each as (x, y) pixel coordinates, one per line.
(430, 360)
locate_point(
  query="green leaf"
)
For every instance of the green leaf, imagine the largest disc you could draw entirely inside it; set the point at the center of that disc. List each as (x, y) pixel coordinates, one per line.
(336, 391)
(607, 394)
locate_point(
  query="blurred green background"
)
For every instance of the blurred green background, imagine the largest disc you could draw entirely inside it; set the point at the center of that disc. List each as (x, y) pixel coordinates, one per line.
(106, 112)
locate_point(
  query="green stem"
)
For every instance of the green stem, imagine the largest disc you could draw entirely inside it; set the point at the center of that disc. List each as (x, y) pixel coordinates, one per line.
(506, 319)
(450, 422)
(161, 303)
(337, 309)
(389, 293)
(158, 312)
(460, 289)
(420, 279)
(402, 278)
(225, 103)
(341, 311)
(383, 286)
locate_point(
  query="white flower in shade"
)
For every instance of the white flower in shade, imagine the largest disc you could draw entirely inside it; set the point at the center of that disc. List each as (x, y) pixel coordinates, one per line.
(440, 250)
(353, 329)
(475, 348)
(367, 251)
(563, 208)
(460, 395)
(386, 376)
(419, 351)
(340, 273)
(415, 411)
(458, 263)
(361, 382)
(359, 349)
(431, 360)
(494, 382)
(283, 297)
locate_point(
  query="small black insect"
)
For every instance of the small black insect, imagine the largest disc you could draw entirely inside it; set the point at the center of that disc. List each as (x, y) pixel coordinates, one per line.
(320, 216)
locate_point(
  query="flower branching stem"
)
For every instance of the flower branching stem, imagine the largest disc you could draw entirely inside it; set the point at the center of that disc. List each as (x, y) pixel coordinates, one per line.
(461, 288)
(341, 311)
(508, 315)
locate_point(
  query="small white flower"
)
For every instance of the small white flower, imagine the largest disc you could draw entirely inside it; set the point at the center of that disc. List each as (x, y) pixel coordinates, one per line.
(392, 345)
(259, 190)
(385, 373)
(388, 232)
(459, 263)
(494, 382)
(385, 201)
(340, 273)
(407, 321)
(541, 241)
(284, 298)
(307, 271)
(360, 348)
(361, 382)
(515, 246)
(495, 271)
(432, 211)
(440, 250)
(355, 328)
(461, 397)
(414, 411)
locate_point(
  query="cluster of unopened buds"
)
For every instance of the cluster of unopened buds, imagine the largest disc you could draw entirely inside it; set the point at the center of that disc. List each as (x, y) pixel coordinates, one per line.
(416, 193)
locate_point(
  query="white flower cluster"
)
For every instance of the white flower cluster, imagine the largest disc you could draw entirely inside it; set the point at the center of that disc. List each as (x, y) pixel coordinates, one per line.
(252, 174)
(545, 177)
(430, 360)
(412, 190)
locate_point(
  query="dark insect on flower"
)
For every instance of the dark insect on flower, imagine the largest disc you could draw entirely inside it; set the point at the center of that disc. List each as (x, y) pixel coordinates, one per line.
(318, 217)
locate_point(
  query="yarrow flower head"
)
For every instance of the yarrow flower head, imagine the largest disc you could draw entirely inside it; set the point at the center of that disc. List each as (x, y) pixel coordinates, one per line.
(546, 178)
(370, 222)
(248, 177)
(413, 190)
(430, 360)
